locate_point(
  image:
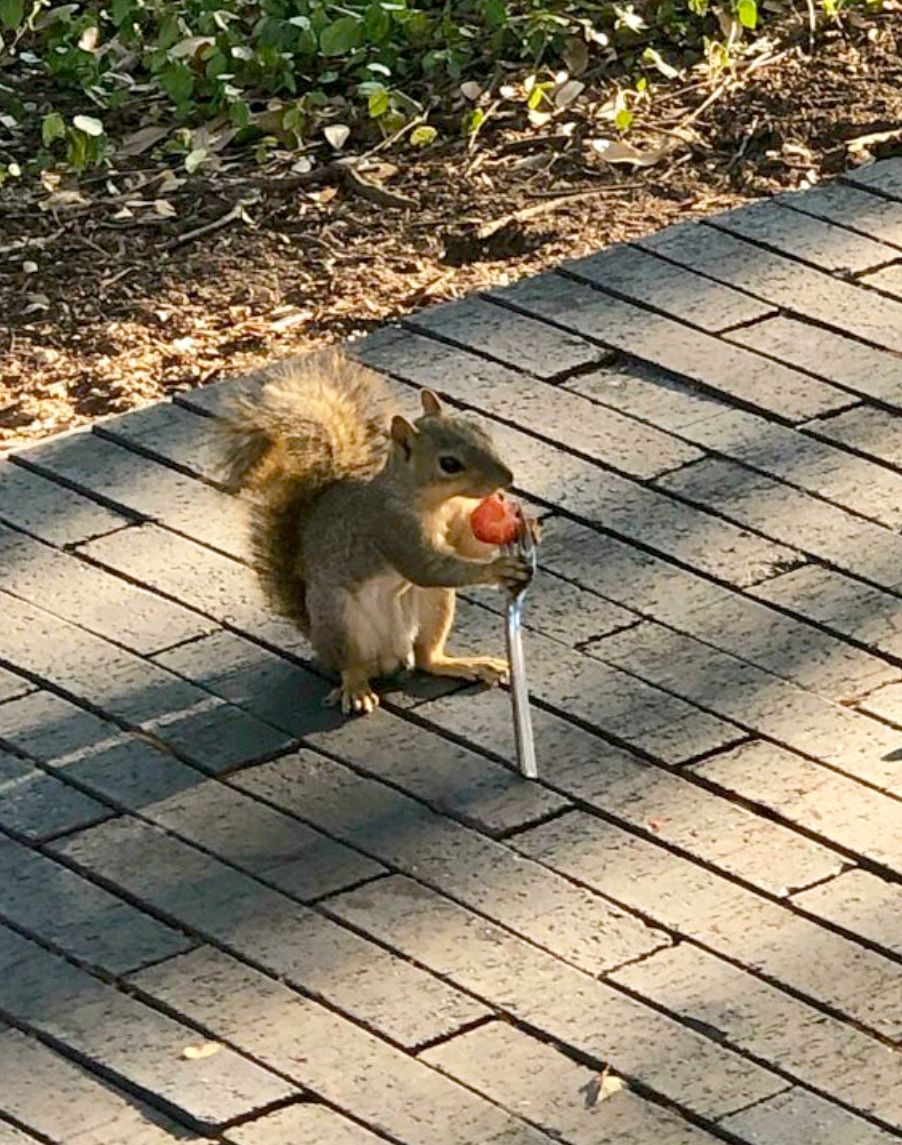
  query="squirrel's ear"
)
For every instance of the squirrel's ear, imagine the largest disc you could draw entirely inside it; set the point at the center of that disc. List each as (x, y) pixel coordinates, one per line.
(432, 407)
(402, 432)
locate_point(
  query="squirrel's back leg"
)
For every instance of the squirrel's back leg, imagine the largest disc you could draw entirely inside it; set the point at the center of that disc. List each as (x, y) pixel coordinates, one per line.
(436, 615)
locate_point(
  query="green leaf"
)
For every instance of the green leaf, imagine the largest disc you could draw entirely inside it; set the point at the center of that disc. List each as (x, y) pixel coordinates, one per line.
(423, 135)
(177, 81)
(53, 127)
(474, 121)
(377, 23)
(537, 96)
(88, 124)
(378, 103)
(747, 11)
(11, 13)
(495, 13)
(341, 36)
(623, 119)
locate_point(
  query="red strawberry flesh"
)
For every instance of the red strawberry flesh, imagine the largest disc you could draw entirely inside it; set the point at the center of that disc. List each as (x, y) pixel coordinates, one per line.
(495, 521)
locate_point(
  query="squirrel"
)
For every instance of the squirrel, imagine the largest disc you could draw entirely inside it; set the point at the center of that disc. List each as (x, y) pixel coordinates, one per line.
(360, 527)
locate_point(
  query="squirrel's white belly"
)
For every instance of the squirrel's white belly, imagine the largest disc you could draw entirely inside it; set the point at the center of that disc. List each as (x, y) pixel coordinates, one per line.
(382, 618)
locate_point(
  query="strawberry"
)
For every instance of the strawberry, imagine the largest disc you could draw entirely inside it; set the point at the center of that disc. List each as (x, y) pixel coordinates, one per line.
(495, 521)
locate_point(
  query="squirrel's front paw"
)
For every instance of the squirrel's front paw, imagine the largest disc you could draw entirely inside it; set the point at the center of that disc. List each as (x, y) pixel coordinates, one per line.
(354, 699)
(511, 572)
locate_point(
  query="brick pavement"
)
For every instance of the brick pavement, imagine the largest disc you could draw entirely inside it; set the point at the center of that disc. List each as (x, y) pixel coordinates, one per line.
(226, 916)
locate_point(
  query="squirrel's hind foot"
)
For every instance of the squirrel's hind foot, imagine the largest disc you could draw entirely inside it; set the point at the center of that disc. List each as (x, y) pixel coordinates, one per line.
(490, 670)
(354, 695)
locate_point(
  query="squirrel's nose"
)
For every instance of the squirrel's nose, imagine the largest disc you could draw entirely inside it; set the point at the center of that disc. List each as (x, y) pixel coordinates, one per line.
(507, 478)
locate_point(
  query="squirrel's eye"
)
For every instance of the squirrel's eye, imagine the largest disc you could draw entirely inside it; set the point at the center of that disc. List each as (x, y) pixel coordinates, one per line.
(450, 465)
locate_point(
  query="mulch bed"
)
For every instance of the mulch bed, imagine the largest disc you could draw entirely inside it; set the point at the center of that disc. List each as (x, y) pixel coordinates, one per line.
(104, 310)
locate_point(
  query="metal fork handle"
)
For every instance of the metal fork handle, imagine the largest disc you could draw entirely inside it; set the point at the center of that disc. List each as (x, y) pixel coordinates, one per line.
(526, 751)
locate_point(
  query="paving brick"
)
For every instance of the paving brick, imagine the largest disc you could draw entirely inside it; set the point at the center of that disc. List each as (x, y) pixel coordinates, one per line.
(170, 433)
(830, 1056)
(353, 1070)
(661, 341)
(305, 1123)
(634, 792)
(792, 516)
(799, 1115)
(139, 1046)
(861, 747)
(84, 921)
(884, 177)
(782, 281)
(13, 686)
(816, 466)
(846, 606)
(816, 241)
(885, 703)
(91, 598)
(889, 280)
(605, 436)
(266, 927)
(637, 276)
(256, 838)
(724, 917)
(717, 615)
(84, 1110)
(133, 775)
(577, 485)
(866, 429)
(545, 1087)
(483, 874)
(197, 577)
(561, 1001)
(213, 734)
(860, 902)
(862, 821)
(446, 775)
(38, 806)
(851, 207)
(854, 366)
(476, 325)
(50, 511)
(10, 1135)
(563, 611)
(141, 486)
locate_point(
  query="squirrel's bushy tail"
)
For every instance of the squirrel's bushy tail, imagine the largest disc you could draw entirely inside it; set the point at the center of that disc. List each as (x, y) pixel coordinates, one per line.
(316, 422)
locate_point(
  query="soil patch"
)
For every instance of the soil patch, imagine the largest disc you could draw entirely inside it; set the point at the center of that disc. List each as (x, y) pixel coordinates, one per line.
(120, 292)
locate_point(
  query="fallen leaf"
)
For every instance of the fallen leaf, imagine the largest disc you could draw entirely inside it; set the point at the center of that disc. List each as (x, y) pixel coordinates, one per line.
(538, 118)
(576, 55)
(29, 267)
(614, 151)
(194, 159)
(164, 208)
(89, 39)
(203, 1050)
(337, 135)
(88, 124)
(655, 58)
(601, 1087)
(189, 46)
(471, 90)
(568, 92)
